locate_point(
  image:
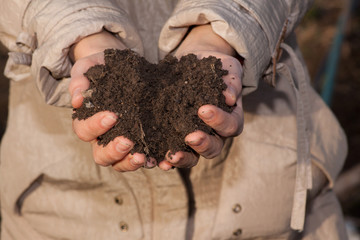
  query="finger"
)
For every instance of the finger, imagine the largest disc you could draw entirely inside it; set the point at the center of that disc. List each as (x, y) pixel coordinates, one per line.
(77, 86)
(180, 159)
(233, 90)
(224, 123)
(208, 146)
(89, 129)
(79, 82)
(165, 165)
(82, 65)
(113, 152)
(131, 162)
(232, 79)
(150, 162)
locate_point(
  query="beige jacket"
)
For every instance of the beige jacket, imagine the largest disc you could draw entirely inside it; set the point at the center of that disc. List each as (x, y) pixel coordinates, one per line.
(257, 188)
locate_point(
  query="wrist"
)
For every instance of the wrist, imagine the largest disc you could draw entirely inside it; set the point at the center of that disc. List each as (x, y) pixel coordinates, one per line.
(94, 43)
(202, 37)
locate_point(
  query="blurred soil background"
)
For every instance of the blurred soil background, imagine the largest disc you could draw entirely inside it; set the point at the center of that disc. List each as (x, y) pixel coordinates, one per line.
(316, 36)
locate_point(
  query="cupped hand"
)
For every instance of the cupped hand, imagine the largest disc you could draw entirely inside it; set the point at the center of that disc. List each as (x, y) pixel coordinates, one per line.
(87, 53)
(225, 124)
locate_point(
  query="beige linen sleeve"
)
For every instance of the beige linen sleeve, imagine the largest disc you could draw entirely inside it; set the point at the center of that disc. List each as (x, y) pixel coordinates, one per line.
(11, 14)
(252, 28)
(56, 25)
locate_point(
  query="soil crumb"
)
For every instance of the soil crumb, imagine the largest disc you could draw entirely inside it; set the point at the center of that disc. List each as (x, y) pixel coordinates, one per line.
(157, 104)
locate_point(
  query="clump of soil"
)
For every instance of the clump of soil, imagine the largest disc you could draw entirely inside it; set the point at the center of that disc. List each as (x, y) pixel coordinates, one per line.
(157, 104)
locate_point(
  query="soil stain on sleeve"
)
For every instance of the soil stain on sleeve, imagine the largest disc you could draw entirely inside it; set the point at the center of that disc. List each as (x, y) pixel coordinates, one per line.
(157, 104)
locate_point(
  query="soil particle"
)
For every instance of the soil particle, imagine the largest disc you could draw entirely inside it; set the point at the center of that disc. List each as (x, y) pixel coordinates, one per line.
(157, 104)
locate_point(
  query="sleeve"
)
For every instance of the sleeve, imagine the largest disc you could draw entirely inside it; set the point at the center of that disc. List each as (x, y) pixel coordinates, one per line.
(56, 25)
(11, 15)
(252, 28)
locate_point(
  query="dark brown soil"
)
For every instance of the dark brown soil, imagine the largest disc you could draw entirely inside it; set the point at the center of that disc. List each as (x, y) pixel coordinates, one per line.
(157, 104)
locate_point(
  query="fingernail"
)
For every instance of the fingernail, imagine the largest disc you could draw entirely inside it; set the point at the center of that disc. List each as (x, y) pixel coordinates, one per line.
(207, 114)
(150, 163)
(166, 167)
(175, 160)
(108, 121)
(137, 160)
(194, 142)
(123, 146)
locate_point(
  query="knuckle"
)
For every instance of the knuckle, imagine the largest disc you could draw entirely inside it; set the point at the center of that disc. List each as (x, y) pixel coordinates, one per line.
(118, 168)
(125, 165)
(132, 168)
(214, 149)
(220, 123)
(83, 130)
(99, 156)
(81, 134)
(111, 155)
(212, 155)
(231, 130)
(204, 148)
(100, 161)
(232, 126)
(188, 161)
(238, 123)
(90, 128)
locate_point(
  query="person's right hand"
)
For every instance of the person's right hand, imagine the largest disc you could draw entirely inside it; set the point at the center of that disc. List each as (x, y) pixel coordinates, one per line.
(87, 53)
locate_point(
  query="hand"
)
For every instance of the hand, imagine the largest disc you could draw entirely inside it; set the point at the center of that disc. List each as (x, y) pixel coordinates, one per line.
(203, 42)
(87, 53)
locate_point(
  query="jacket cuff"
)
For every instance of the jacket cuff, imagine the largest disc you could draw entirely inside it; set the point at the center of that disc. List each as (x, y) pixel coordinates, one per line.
(239, 23)
(55, 33)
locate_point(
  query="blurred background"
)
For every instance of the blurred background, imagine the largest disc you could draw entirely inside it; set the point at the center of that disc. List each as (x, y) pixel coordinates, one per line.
(329, 37)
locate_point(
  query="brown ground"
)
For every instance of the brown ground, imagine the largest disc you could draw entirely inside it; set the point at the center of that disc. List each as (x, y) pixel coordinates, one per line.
(157, 104)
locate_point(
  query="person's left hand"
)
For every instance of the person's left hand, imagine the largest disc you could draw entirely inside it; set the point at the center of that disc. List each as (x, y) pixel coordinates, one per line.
(203, 42)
